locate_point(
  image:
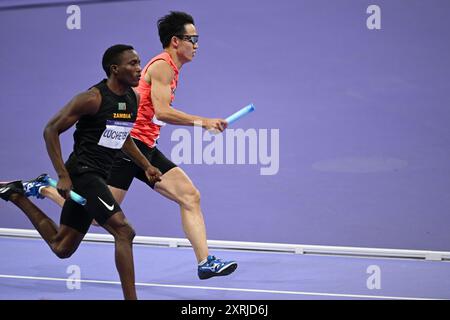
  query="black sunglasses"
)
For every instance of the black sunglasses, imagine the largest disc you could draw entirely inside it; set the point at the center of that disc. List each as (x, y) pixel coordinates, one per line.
(192, 39)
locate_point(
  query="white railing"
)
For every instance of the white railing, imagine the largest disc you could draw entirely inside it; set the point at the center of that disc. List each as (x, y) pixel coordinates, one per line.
(257, 246)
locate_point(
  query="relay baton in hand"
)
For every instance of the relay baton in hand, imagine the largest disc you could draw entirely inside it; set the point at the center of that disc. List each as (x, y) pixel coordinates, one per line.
(75, 196)
(237, 115)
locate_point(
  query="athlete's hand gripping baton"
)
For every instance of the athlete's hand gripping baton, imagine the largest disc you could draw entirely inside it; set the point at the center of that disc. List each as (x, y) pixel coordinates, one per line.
(75, 196)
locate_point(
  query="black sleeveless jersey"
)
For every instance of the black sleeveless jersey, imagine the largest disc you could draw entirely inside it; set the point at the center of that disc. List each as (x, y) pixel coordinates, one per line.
(99, 137)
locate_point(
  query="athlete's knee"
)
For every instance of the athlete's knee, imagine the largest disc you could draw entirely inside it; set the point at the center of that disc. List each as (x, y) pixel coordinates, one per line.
(190, 197)
(126, 233)
(123, 231)
(63, 252)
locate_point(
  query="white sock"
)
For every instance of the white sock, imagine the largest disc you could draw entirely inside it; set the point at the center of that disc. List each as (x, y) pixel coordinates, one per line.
(202, 262)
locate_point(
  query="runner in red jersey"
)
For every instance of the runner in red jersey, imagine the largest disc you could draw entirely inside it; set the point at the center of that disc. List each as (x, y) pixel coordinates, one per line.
(147, 127)
(179, 38)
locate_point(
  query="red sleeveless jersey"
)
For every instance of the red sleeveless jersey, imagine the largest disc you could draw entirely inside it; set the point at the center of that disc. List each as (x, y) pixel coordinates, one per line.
(147, 127)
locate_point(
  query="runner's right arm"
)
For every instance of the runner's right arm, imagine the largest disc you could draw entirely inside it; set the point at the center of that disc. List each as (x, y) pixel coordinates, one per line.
(161, 76)
(85, 103)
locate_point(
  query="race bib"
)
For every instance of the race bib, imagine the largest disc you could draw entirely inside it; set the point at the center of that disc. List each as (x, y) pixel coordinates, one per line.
(115, 134)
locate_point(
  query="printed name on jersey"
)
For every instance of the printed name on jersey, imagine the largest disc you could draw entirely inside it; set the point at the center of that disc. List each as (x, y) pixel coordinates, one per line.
(115, 134)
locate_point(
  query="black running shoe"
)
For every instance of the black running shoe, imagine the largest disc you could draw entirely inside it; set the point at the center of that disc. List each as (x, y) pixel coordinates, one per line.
(8, 189)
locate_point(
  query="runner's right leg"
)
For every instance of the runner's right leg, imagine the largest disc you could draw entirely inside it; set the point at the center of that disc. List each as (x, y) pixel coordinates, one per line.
(62, 240)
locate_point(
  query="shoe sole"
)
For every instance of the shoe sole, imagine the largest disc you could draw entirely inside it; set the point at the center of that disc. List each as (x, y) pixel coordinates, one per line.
(225, 272)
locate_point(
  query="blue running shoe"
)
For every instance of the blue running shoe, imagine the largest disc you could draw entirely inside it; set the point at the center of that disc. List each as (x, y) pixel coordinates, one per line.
(33, 187)
(215, 267)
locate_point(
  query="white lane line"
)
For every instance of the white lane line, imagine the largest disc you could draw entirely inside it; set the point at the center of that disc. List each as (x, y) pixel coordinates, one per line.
(342, 295)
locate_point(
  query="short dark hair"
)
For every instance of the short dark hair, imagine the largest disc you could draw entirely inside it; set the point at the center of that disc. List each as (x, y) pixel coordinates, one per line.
(112, 56)
(171, 25)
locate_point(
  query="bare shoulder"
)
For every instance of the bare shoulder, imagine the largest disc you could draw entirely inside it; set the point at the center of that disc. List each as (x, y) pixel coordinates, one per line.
(92, 95)
(160, 71)
(87, 102)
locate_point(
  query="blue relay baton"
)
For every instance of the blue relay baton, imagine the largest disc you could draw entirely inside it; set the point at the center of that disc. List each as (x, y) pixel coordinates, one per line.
(73, 195)
(237, 115)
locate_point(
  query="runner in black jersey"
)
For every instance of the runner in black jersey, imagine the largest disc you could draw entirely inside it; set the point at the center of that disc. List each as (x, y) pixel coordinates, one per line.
(104, 116)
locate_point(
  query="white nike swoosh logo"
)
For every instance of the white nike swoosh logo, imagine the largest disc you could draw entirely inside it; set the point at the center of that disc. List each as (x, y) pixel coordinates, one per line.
(109, 207)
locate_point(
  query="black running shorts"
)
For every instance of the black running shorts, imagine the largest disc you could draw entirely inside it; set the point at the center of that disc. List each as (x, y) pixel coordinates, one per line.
(124, 170)
(100, 202)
